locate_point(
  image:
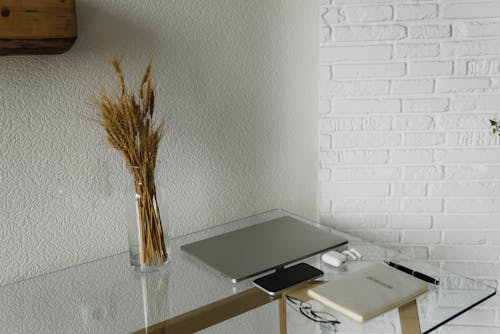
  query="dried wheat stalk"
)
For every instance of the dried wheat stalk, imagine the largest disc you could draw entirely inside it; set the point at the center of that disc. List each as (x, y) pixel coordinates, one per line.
(131, 130)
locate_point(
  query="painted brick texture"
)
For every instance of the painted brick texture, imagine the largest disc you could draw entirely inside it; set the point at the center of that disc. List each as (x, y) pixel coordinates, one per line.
(406, 155)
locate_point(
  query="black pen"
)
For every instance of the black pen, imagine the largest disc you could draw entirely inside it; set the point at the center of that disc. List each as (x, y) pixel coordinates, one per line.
(414, 273)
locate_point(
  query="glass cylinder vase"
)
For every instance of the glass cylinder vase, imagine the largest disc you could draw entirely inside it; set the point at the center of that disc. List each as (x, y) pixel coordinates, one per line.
(146, 230)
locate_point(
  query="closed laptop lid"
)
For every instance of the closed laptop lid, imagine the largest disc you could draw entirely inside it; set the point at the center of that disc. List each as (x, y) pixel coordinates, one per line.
(262, 247)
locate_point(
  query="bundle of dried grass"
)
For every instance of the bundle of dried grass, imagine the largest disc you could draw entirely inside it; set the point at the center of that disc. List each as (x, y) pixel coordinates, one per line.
(131, 129)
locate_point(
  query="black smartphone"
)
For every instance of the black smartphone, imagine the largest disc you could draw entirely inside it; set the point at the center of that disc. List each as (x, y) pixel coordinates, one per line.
(273, 284)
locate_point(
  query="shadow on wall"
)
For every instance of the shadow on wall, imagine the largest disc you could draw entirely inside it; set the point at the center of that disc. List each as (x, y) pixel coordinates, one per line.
(108, 34)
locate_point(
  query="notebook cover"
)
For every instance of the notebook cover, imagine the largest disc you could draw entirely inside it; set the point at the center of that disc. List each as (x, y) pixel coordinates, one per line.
(369, 292)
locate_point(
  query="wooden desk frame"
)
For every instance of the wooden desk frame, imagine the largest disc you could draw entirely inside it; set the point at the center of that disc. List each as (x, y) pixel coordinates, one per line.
(248, 300)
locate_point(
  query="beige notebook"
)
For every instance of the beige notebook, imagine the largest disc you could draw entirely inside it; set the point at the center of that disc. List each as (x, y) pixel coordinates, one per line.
(369, 292)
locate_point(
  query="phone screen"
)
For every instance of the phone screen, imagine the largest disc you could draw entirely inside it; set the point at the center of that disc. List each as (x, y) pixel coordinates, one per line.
(276, 282)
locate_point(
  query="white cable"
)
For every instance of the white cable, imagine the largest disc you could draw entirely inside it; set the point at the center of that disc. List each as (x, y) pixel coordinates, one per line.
(356, 252)
(350, 254)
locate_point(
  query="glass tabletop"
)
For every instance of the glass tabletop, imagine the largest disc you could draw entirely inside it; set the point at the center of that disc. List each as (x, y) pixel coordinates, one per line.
(106, 296)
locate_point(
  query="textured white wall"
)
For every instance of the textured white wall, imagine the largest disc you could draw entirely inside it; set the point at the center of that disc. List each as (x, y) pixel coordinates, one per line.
(407, 158)
(238, 81)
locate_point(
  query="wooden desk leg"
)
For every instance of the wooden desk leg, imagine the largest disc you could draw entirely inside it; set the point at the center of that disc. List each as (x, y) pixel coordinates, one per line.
(282, 310)
(211, 314)
(408, 316)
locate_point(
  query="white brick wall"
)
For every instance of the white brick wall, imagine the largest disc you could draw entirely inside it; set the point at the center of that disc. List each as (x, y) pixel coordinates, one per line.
(407, 159)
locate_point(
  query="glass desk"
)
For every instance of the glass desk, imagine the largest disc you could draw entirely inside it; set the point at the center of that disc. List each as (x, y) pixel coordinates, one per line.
(106, 296)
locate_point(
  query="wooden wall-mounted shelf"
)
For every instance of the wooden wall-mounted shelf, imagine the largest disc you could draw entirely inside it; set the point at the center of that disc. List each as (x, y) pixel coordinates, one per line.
(37, 26)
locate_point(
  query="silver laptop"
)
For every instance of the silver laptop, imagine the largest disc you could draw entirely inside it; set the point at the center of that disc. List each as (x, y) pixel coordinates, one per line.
(259, 248)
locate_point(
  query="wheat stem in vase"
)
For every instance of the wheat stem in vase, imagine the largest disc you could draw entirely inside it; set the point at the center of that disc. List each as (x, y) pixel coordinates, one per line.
(132, 130)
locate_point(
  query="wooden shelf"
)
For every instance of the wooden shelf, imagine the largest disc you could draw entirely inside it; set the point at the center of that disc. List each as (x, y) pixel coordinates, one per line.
(37, 26)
